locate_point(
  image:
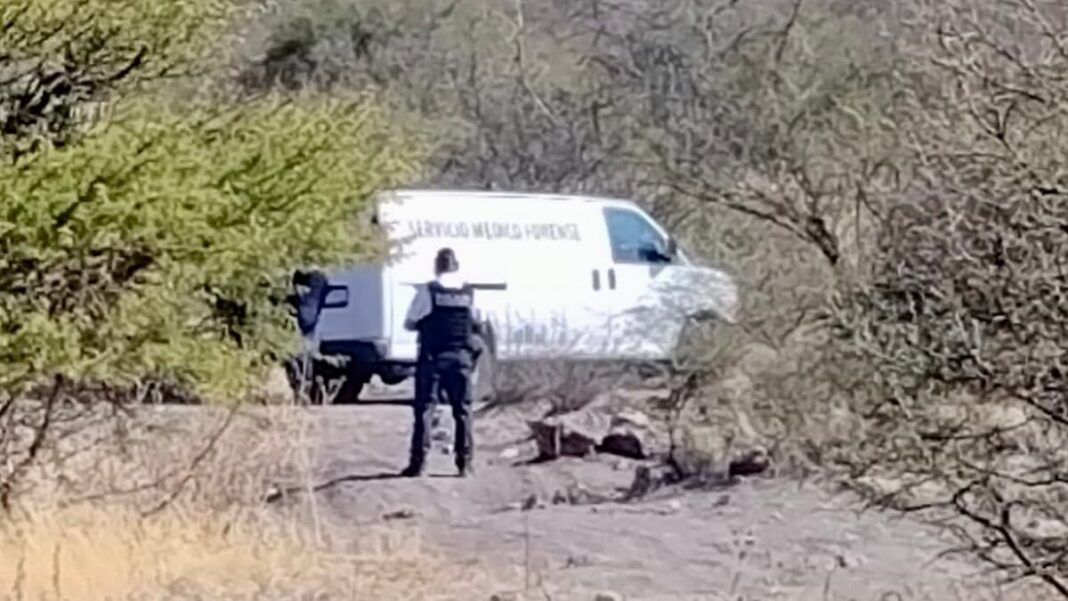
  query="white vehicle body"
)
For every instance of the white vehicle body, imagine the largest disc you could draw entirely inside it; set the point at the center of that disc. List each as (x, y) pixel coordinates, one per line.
(585, 279)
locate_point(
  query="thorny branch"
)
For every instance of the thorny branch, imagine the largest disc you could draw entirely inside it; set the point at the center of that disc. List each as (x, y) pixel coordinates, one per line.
(41, 433)
(964, 322)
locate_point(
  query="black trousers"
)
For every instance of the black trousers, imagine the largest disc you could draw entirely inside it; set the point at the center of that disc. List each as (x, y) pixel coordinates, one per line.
(449, 373)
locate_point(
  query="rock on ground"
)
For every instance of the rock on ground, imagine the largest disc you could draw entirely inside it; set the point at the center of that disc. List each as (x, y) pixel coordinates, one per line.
(606, 425)
(575, 434)
(635, 435)
(752, 462)
(762, 538)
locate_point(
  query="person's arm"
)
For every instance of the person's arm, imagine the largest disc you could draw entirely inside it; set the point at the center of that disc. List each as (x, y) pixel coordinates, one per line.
(418, 309)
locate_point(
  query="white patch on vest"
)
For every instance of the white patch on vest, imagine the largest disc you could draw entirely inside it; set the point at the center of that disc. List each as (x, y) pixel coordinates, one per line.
(451, 299)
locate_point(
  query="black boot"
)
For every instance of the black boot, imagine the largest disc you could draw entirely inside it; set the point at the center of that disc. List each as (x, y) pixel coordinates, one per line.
(414, 470)
(465, 469)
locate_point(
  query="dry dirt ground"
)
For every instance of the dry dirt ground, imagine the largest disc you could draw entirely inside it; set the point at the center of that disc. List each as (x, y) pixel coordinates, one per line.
(557, 530)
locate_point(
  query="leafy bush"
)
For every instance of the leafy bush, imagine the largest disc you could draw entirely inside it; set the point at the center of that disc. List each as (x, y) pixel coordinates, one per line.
(150, 238)
(148, 229)
(157, 244)
(60, 59)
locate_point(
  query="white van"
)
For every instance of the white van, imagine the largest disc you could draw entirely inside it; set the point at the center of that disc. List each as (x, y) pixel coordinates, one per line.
(577, 278)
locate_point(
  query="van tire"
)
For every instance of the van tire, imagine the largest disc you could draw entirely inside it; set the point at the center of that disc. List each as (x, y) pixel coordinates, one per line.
(351, 387)
(348, 380)
(307, 380)
(393, 375)
(393, 380)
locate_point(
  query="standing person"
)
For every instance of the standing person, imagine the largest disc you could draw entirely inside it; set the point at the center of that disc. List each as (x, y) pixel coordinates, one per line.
(307, 303)
(444, 314)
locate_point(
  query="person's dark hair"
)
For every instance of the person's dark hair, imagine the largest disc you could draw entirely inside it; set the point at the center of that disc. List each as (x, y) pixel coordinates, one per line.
(445, 261)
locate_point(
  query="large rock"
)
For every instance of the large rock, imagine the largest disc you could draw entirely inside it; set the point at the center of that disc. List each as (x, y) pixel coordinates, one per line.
(649, 479)
(575, 434)
(902, 490)
(634, 435)
(749, 463)
(603, 426)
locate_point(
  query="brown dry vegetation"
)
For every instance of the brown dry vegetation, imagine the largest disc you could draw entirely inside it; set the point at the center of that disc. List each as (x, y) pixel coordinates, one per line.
(104, 553)
(886, 180)
(173, 507)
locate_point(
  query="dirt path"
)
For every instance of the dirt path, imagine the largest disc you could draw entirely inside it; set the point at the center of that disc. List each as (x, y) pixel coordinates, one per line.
(762, 539)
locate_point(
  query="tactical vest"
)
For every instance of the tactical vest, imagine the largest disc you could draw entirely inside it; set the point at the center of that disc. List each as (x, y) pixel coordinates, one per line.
(450, 325)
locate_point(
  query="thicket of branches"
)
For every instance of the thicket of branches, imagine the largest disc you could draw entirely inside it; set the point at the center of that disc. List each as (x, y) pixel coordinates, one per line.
(756, 131)
(961, 329)
(887, 180)
(653, 102)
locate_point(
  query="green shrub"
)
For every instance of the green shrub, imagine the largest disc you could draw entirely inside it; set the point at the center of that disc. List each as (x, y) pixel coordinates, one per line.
(152, 239)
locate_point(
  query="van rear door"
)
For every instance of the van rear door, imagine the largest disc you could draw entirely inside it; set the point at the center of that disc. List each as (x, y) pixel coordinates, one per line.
(355, 315)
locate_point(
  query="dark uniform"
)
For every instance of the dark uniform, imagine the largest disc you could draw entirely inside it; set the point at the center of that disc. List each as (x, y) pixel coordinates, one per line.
(448, 351)
(307, 305)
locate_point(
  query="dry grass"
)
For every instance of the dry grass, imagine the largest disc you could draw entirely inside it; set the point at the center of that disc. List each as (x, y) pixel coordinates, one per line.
(172, 508)
(108, 552)
(211, 457)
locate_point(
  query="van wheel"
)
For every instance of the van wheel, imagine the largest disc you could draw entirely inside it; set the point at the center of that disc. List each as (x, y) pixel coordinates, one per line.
(350, 389)
(484, 378)
(393, 375)
(392, 379)
(308, 380)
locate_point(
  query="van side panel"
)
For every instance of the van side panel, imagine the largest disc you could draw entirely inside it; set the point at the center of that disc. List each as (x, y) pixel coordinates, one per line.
(552, 309)
(545, 251)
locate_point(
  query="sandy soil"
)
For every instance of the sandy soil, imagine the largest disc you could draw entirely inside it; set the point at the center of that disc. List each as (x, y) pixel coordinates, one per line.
(760, 539)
